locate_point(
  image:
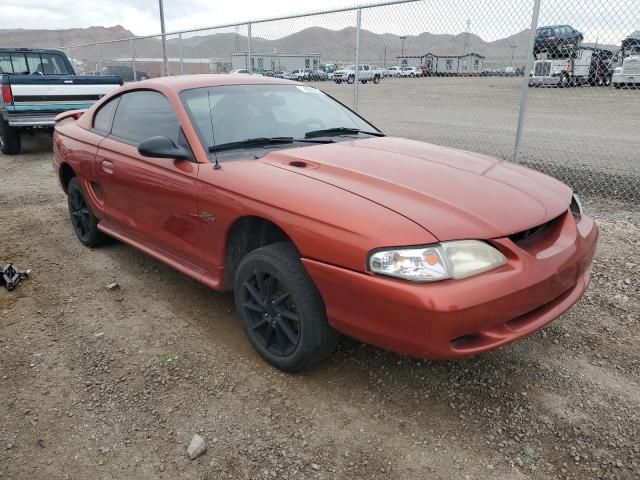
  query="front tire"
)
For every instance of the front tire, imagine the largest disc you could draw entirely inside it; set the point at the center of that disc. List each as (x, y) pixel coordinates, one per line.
(10, 143)
(84, 222)
(376, 80)
(350, 80)
(281, 309)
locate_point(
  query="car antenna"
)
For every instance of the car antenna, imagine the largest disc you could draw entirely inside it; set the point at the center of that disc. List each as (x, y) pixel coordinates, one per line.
(216, 165)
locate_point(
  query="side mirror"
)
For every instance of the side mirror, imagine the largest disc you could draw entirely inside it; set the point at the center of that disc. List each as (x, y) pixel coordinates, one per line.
(163, 147)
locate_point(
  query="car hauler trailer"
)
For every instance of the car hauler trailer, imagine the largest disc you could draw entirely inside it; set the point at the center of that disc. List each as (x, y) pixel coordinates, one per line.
(582, 66)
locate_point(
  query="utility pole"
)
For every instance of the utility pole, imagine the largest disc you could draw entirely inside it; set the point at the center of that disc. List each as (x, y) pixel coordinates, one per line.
(466, 38)
(165, 62)
(513, 49)
(402, 40)
(384, 62)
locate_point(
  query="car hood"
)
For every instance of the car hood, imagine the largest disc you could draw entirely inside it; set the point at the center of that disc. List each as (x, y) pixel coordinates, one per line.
(451, 193)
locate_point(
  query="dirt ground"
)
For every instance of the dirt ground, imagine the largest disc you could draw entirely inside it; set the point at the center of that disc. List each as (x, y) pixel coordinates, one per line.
(100, 384)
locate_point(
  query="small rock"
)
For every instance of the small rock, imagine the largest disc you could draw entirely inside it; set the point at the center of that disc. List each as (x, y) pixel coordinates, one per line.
(104, 450)
(112, 286)
(197, 447)
(315, 466)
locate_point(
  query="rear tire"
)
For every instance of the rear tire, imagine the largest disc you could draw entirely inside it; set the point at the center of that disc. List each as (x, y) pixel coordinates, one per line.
(281, 309)
(84, 222)
(376, 80)
(350, 80)
(10, 143)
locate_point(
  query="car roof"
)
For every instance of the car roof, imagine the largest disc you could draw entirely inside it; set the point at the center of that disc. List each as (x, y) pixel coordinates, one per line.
(188, 82)
(27, 50)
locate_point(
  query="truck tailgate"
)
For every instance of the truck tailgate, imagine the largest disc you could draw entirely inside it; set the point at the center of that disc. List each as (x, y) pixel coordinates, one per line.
(38, 98)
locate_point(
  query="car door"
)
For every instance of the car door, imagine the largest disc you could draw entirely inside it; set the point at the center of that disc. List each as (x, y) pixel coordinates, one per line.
(153, 200)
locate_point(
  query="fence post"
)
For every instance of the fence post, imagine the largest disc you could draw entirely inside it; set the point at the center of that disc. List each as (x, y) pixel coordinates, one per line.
(133, 61)
(99, 61)
(525, 81)
(181, 55)
(357, 74)
(249, 66)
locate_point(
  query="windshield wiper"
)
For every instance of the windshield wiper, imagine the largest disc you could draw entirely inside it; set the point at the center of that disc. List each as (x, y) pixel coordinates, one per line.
(259, 141)
(327, 132)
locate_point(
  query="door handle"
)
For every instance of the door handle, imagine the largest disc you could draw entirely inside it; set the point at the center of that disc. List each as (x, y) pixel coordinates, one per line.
(107, 166)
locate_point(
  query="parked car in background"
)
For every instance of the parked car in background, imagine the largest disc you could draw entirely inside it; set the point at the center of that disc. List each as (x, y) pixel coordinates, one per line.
(366, 73)
(392, 72)
(556, 39)
(240, 71)
(627, 73)
(410, 72)
(284, 206)
(38, 84)
(319, 75)
(425, 70)
(123, 71)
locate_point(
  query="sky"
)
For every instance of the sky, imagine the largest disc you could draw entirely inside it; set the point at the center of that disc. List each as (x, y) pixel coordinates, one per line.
(601, 20)
(141, 16)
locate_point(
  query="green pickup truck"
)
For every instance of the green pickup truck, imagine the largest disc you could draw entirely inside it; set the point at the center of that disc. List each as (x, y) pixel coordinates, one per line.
(37, 85)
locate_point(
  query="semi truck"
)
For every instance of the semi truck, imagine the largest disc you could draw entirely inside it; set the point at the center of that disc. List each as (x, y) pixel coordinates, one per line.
(580, 66)
(628, 73)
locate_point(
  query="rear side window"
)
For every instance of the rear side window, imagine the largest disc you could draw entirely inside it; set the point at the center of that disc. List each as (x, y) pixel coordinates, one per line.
(47, 64)
(13, 63)
(104, 117)
(144, 114)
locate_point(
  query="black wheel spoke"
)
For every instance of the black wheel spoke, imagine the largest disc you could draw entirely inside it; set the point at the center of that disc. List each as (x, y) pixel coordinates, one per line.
(268, 335)
(254, 293)
(259, 324)
(286, 329)
(282, 343)
(288, 314)
(254, 307)
(278, 300)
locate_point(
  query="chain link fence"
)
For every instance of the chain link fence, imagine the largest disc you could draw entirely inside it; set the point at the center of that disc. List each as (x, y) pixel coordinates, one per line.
(551, 84)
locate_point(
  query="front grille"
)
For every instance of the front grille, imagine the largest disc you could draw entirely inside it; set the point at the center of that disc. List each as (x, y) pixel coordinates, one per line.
(631, 67)
(542, 69)
(530, 232)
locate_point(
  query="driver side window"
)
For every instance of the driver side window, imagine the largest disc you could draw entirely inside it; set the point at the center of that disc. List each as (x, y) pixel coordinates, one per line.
(144, 114)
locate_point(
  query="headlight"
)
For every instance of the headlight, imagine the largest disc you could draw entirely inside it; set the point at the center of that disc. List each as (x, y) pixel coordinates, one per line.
(576, 206)
(440, 261)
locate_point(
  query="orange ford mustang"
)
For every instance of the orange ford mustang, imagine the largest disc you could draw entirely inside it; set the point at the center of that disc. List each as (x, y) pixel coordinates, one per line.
(320, 223)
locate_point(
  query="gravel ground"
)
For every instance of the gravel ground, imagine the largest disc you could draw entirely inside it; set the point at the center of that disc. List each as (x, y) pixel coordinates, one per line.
(98, 383)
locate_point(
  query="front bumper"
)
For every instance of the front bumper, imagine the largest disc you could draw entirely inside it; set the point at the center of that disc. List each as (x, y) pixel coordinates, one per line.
(453, 319)
(544, 81)
(621, 78)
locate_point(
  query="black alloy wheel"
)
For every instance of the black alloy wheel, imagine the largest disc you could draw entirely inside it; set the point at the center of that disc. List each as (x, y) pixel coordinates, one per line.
(274, 319)
(83, 221)
(79, 212)
(281, 309)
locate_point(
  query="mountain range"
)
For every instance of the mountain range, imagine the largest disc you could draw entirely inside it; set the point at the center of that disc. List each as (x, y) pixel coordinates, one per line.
(335, 46)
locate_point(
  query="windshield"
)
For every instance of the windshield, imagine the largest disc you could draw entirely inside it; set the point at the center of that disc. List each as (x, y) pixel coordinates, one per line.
(235, 113)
